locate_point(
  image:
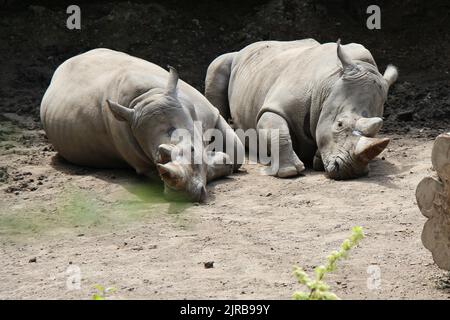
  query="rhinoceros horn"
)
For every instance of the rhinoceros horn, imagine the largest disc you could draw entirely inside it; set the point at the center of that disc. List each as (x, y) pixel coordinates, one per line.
(169, 171)
(171, 88)
(369, 127)
(165, 153)
(368, 148)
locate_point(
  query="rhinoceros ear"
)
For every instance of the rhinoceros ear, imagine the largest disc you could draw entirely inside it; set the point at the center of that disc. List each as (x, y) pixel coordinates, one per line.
(192, 112)
(120, 112)
(173, 81)
(346, 61)
(391, 74)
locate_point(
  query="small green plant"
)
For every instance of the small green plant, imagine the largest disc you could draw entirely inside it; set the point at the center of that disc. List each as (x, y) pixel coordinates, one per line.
(318, 289)
(102, 292)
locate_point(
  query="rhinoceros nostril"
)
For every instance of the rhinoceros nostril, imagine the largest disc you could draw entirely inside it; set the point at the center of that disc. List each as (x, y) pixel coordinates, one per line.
(163, 158)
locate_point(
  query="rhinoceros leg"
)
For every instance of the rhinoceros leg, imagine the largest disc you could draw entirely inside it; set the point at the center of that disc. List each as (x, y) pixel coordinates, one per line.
(288, 164)
(317, 162)
(219, 166)
(232, 146)
(433, 199)
(216, 83)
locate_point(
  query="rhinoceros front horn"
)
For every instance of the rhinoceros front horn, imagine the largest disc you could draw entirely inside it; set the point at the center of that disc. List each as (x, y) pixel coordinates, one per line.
(171, 88)
(368, 148)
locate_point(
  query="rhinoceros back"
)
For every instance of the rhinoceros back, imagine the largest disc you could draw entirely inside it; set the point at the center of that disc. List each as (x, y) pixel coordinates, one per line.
(71, 114)
(255, 71)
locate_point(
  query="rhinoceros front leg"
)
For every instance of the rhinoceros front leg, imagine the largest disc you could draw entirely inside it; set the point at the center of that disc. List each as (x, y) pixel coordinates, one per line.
(288, 164)
(219, 165)
(231, 144)
(317, 162)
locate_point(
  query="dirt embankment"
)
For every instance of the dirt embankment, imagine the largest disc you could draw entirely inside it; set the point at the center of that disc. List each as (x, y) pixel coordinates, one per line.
(188, 34)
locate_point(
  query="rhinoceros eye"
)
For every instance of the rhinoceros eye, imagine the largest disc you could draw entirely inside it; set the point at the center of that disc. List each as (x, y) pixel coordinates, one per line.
(339, 126)
(170, 131)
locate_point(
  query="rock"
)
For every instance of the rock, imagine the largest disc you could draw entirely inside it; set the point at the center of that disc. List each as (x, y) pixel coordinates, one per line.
(4, 174)
(209, 264)
(405, 115)
(38, 10)
(12, 189)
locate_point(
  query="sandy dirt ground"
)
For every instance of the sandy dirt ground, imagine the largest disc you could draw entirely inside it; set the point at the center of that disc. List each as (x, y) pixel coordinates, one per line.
(117, 230)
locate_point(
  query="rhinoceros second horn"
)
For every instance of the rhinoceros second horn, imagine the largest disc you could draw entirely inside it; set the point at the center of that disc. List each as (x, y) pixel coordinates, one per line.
(369, 127)
(172, 82)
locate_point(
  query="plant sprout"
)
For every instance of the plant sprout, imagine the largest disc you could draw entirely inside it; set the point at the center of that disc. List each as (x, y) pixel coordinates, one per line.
(318, 289)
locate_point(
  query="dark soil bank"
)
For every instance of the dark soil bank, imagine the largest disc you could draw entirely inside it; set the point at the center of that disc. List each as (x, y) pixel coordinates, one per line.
(188, 34)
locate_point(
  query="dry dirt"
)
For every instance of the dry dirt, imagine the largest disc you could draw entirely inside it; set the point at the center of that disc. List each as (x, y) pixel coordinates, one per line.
(118, 229)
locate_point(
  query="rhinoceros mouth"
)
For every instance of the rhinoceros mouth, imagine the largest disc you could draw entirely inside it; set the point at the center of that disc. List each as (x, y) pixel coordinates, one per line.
(343, 167)
(174, 195)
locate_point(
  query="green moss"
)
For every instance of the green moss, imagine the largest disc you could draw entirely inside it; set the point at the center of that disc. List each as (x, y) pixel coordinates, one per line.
(78, 209)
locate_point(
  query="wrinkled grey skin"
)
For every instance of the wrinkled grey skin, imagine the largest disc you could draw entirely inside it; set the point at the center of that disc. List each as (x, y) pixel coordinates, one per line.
(107, 109)
(326, 100)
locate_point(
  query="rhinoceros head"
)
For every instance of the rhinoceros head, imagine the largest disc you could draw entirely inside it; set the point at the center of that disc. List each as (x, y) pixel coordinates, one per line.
(156, 116)
(351, 118)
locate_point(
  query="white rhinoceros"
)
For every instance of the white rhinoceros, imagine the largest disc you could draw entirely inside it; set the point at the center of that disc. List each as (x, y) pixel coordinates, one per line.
(326, 100)
(107, 109)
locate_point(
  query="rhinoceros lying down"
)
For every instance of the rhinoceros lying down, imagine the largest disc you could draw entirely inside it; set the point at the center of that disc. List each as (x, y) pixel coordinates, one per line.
(326, 100)
(107, 109)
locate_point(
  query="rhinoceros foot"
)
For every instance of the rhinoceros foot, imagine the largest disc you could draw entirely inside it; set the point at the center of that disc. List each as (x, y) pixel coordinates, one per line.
(289, 166)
